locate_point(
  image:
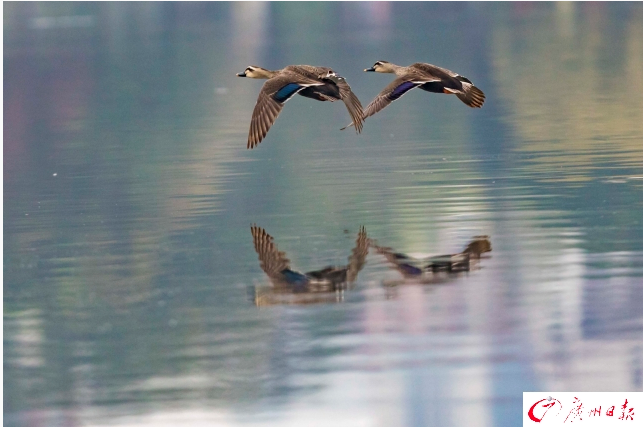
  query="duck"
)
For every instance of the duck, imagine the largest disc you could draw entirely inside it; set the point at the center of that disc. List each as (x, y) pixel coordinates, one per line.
(319, 83)
(428, 77)
(277, 267)
(411, 267)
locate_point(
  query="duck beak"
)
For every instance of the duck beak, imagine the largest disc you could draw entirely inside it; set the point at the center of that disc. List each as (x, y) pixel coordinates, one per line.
(369, 69)
(241, 74)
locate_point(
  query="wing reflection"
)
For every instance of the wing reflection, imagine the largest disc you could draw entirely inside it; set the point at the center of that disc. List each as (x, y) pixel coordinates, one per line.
(431, 269)
(293, 287)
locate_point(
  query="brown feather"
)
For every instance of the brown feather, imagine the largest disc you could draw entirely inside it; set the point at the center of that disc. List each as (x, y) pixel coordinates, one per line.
(332, 88)
(272, 261)
(435, 79)
(358, 256)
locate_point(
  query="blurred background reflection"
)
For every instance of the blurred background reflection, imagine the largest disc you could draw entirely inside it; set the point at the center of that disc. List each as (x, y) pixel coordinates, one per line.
(129, 192)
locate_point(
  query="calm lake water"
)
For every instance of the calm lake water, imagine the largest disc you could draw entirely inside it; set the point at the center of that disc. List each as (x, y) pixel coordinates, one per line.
(133, 294)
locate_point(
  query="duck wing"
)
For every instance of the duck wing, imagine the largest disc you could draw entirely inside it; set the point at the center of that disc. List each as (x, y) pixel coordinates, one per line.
(430, 70)
(271, 259)
(310, 71)
(272, 97)
(335, 89)
(354, 107)
(358, 257)
(405, 264)
(392, 92)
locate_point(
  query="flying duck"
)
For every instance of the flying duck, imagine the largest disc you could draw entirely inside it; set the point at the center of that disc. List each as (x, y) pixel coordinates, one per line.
(428, 77)
(415, 267)
(320, 83)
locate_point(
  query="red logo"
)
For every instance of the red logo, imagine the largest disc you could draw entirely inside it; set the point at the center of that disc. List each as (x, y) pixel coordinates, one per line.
(539, 409)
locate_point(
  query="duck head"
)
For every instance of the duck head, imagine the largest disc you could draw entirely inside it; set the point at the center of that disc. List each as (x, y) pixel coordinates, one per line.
(478, 246)
(254, 72)
(382, 67)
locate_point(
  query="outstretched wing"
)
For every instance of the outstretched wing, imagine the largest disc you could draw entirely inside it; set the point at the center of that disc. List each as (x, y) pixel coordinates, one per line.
(272, 261)
(337, 88)
(272, 97)
(433, 70)
(354, 107)
(264, 115)
(392, 92)
(401, 262)
(357, 260)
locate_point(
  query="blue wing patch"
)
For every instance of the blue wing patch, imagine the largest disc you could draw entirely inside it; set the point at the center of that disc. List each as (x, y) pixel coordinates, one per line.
(286, 92)
(409, 269)
(294, 278)
(401, 90)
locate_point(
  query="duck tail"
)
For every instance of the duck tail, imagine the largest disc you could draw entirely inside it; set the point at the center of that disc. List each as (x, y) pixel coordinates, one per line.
(472, 96)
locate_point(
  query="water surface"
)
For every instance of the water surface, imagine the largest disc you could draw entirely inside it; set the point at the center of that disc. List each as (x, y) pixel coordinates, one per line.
(130, 275)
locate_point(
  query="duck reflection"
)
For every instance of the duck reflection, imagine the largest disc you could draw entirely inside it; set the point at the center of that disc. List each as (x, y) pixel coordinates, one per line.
(427, 269)
(292, 287)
